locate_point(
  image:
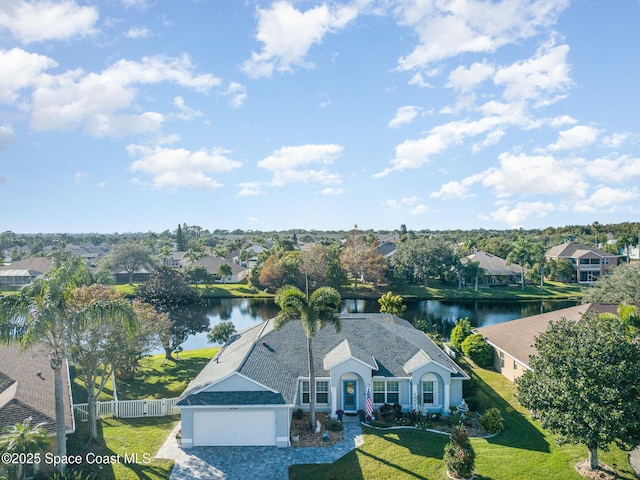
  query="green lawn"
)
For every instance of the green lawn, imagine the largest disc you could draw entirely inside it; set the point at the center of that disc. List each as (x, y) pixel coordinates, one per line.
(156, 377)
(141, 436)
(216, 290)
(522, 452)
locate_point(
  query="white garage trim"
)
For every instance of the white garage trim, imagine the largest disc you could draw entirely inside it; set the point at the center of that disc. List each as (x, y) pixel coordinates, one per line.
(226, 427)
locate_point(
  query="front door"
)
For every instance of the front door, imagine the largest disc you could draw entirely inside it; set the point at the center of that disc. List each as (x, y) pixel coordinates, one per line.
(349, 389)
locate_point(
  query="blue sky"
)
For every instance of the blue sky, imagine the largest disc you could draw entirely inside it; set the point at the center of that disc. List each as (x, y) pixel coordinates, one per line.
(137, 115)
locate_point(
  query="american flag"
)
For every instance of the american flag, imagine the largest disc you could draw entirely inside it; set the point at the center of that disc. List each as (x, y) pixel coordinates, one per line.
(369, 403)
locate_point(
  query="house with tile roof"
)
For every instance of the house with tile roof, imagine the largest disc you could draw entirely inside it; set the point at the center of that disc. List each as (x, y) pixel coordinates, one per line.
(513, 341)
(247, 393)
(590, 263)
(27, 390)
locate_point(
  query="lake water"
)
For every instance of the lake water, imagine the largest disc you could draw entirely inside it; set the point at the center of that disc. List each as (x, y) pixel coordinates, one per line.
(244, 313)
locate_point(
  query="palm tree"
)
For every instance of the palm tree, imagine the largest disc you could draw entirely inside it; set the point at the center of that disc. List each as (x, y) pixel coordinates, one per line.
(24, 438)
(314, 312)
(520, 253)
(224, 271)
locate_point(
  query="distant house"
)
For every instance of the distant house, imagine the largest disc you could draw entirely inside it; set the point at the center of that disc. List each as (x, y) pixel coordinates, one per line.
(24, 272)
(213, 264)
(590, 263)
(495, 269)
(387, 249)
(27, 390)
(247, 393)
(175, 260)
(513, 341)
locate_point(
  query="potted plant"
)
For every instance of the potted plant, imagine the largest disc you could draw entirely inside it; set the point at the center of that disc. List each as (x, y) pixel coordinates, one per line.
(339, 413)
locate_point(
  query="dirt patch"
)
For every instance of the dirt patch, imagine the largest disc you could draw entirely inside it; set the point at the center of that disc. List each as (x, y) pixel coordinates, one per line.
(603, 472)
(308, 438)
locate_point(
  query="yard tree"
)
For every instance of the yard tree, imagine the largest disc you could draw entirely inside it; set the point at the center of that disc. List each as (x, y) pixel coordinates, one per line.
(96, 317)
(521, 253)
(130, 256)
(181, 241)
(584, 383)
(40, 314)
(393, 304)
(221, 332)
(168, 292)
(461, 331)
(224, 271)
(622, 285)
(314, 313)
(21, 438)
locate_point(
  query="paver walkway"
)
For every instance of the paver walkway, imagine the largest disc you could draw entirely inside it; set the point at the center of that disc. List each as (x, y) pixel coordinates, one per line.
(634, 460)
(259, 463)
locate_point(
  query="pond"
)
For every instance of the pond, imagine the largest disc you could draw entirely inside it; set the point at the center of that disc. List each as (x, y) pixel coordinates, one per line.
(244, 313)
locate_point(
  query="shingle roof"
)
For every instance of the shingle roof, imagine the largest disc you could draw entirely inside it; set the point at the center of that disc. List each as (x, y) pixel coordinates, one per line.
(26, 387)
(39, 264)
(517, 337)
(276, 359)
(493, 265)
(575, 250)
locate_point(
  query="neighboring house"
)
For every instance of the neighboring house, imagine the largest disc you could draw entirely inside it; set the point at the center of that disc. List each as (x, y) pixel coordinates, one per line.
(90, 252)
(174, 261)
(255, 251)
(513, 341)
(387, 249)
(590, 263)
(248, 391)
(212, 264)
(23, 272)
(121, 276)
(27, 390)
(495, 269)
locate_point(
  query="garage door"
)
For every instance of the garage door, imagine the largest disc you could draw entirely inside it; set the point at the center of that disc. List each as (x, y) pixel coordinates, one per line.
(234, 428)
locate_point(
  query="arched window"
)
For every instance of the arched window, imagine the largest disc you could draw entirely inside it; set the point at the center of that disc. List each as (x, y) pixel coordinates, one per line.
(429, 389)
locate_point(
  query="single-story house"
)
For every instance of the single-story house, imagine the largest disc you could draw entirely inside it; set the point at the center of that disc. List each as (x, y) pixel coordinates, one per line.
(24, 272)
(213, 264)
(247, 393)
(589, 262)
(27, 390)
(495, 269)
(513, 341)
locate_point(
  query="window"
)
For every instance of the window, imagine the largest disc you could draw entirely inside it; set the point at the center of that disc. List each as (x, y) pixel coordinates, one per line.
(427, 392)
(322, 391)
(515, 365)
(386, 392)
(501, 359)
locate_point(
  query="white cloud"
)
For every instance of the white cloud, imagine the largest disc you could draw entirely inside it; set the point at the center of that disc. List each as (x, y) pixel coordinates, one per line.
(6, 136)
(139, 4)
(466, 79)
(413, 204)
(615, 140)
(20, 69)
(333, 191)
(539, 174)
(449, 28)
(419, 210)
(287, 35)
(38, 21)
(97, 101)
(562, 121)
(237, 93)
(404, 116)
(179, 167)
(138, 32)
(608, 199)
(538, 78)
(79, 177)
(419, 81)
(575, 137)
(248, 189)
(186, 112)
(451, 190)
(514, 217)
(286, 164)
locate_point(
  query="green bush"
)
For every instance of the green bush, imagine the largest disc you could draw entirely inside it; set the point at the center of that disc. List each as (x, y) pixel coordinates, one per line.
(298, 414)
(477, 349)
(334, 426)
(492, 421)
(460, 332)
(459, 456)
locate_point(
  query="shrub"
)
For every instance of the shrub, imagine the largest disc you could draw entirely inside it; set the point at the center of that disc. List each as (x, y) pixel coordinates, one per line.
(492, 421)
(460, 332)
(477, 349)
(459, 456)
(298, 414)
(334, 426)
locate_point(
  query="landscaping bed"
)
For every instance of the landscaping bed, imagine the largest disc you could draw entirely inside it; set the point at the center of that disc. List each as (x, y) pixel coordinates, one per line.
(307, 437)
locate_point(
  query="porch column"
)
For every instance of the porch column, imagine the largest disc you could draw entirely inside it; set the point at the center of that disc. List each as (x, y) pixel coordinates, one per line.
(447, 400)
(415, 399)
(334, 402)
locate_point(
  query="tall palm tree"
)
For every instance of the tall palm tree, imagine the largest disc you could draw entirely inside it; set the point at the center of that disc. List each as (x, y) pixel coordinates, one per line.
(24, 438)
(39, 314)
(520, 253)
(315, 312)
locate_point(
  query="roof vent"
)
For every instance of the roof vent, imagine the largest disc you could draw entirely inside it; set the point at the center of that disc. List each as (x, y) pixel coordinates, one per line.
(39, 374)
(268, 347)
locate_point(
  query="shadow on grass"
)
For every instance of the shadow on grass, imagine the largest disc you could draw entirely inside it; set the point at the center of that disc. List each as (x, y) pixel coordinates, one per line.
(518, 431)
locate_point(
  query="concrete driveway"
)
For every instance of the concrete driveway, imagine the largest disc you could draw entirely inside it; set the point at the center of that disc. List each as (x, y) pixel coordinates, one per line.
(240, 463)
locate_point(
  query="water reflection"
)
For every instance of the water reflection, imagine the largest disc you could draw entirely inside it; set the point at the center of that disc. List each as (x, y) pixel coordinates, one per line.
(244, 313)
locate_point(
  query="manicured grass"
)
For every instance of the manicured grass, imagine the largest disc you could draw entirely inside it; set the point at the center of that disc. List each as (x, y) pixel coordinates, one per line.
(155, 378)
(523, 451)
(141, 436)
(214, 290)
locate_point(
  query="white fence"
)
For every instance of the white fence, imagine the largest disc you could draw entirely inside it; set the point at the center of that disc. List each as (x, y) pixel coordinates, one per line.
(129, 409)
